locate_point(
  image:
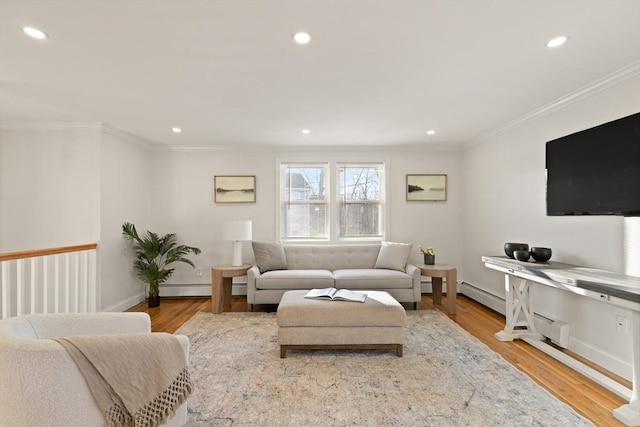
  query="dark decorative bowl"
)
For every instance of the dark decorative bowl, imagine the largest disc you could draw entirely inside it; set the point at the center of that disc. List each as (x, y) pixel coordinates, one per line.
(541, 254)
(521, 255)
(510, 247)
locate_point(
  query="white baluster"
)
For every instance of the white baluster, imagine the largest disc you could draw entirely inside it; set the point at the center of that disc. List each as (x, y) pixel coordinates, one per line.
(56, 278)
(66, 283)
(19, 286)
(5, 289)
(32, 289)
(76, 282)
(92, 293)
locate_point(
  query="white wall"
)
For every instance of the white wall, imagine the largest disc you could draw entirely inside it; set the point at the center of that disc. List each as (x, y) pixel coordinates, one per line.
(68, 184)
(125, 184)
(504, 182)
(49, 176)
(183, 199)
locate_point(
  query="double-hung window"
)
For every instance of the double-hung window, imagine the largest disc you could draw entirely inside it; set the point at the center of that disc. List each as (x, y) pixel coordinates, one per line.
(331, 201)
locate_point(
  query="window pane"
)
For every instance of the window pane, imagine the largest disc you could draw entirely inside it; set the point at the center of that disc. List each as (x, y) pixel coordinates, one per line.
(359, 183)
(360, 196)
(304, 183)
(360, 219)
(305, 220)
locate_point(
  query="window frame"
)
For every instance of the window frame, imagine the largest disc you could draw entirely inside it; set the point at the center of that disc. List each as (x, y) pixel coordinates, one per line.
(333, 203)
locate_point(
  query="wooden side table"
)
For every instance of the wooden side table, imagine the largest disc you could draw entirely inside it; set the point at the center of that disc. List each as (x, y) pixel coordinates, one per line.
(437, 272)
(221, 280)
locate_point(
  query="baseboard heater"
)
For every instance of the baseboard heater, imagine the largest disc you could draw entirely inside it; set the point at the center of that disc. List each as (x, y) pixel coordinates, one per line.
(556, 330)
(198, 290)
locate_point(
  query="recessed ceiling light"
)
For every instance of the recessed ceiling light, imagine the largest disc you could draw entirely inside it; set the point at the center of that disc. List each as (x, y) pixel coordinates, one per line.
(431, 132)
(302, 37)
(306, 131)
(558, 41)
(35, 33)
(176, 130)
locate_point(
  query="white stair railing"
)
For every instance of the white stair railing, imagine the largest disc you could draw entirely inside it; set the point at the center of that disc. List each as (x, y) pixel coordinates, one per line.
(53, 280)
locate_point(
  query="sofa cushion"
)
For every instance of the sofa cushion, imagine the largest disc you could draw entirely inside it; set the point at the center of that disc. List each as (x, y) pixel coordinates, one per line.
(269, 256)
(372, 279)
(393, 255)
(331, 257)
(295, 279)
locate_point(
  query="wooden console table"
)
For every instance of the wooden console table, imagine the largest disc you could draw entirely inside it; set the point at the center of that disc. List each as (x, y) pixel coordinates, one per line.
(221, 280)
(437, 272)
(611, 288)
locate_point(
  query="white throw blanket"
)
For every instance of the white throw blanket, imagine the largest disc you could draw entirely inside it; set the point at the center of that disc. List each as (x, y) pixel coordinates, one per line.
(136, 379)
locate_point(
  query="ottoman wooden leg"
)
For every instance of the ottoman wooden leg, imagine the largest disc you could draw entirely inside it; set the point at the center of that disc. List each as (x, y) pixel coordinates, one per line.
(283, 351)
(399, 348)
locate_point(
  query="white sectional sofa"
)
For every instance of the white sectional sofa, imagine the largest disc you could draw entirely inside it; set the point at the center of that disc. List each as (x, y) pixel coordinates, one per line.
(380, 266)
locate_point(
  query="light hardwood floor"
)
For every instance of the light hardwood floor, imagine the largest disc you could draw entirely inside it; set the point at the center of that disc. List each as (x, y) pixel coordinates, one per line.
(585, 396)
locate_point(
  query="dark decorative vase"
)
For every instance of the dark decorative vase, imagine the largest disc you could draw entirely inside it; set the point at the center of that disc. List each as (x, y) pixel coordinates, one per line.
(153, 301)
(541, 254)
(522, 255)
(510, 247)
(429, 259)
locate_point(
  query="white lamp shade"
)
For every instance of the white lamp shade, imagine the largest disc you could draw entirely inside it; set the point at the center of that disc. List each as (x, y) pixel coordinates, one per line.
(236, 230)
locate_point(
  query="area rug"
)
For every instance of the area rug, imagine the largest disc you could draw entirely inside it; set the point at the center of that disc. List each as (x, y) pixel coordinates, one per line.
(446, 378)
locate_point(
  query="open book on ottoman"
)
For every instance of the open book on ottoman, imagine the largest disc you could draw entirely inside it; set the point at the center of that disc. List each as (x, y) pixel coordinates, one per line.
(334, 294)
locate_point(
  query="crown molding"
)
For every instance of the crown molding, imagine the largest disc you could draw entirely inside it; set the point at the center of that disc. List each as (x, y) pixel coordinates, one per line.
(51, 125)
(625, 73)
(126, 136)
(78, 126)
(306, 148)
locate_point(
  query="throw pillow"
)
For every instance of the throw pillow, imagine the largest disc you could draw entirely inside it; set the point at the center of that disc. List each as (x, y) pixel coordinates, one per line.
(393, 256)
(269, 256)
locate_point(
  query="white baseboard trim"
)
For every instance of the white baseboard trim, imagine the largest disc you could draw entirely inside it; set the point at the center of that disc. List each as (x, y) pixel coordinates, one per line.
(599, 357)
(485, 298)
(585, 370)
(426, 288)
(593, 354)
(126, 304)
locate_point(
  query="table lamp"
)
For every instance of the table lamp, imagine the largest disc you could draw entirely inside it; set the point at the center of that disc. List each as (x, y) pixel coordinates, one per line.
(237, 232)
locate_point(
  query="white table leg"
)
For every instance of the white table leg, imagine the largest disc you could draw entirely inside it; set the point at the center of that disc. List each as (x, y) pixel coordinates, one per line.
(518, 300)
(629, 414)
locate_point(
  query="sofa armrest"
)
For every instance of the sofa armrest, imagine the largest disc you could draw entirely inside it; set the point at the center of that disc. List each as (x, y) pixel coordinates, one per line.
(415, 273)
(59, 325)
(252, 274)
(40, 384)
(184, 342)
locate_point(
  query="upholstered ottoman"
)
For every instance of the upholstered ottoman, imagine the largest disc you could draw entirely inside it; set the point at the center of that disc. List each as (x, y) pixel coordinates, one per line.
(320, 324)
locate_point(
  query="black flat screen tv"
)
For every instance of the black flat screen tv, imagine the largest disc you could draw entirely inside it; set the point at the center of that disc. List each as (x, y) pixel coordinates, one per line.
(596, 171)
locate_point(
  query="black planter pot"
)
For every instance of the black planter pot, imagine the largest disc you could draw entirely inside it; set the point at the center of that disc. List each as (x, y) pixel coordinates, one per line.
(429, 259)
(153, 301)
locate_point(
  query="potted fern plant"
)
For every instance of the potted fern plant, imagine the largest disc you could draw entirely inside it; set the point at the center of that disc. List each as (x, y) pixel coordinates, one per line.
(154, 254)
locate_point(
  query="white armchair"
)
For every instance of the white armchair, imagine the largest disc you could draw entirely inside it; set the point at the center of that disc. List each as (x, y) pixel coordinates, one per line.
(40, 384)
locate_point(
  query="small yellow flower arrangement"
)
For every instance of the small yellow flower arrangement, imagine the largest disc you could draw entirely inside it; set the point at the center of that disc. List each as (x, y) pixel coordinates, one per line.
(429, 255)
(427, 250)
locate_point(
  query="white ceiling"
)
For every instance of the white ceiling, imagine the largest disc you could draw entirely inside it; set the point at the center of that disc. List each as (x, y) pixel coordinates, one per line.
(375, 73)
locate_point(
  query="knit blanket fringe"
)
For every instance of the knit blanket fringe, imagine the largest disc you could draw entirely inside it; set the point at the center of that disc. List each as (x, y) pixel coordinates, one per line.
(156, 412)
